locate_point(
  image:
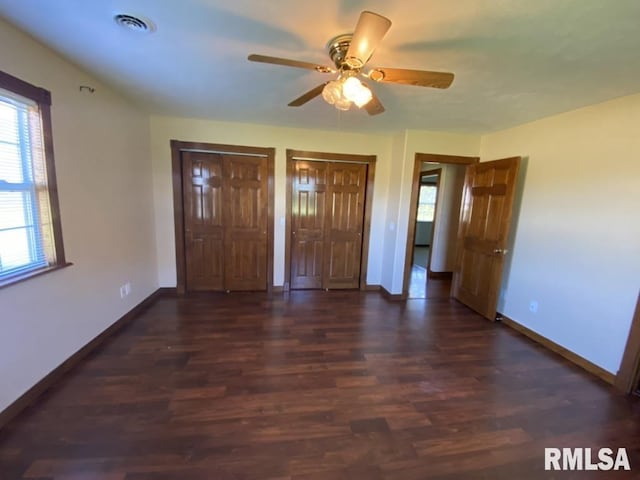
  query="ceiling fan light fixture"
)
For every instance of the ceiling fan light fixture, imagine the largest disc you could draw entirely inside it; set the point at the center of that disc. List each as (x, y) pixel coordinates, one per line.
(364, 97)
(332, 92)
(343, 104)
(350, 52)
(355, 91)
(346, 91)
(351, 87)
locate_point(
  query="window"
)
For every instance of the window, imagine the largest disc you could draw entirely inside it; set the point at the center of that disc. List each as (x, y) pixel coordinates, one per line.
(427, 203)
(30, 234)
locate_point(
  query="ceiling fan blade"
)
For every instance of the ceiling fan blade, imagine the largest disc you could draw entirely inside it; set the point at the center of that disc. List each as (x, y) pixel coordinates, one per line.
(290, 63)
(374, 107)
(420, 78)
(370, 30)
(311, 94)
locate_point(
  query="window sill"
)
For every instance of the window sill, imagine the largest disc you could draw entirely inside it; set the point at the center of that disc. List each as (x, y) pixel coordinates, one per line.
(35, 273)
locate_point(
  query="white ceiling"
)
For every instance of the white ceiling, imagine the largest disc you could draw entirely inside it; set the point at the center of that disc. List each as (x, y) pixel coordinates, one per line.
(514, 60)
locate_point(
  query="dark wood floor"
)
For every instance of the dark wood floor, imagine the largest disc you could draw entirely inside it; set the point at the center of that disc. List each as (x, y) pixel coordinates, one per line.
(316, 385)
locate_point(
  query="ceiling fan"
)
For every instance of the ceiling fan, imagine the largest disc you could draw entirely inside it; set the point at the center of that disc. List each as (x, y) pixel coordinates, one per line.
(350, 53)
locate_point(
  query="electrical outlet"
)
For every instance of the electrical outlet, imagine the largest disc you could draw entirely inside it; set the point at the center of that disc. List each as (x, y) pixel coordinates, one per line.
(533, 306)
(127, 287)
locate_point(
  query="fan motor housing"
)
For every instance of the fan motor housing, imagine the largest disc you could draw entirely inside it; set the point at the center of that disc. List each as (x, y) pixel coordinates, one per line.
(338, 47)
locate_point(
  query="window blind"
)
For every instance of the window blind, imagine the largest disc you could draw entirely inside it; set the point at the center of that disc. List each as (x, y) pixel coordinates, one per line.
(26, 237)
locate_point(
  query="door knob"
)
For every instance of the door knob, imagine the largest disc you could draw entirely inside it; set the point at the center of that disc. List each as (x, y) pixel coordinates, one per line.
(500, 251)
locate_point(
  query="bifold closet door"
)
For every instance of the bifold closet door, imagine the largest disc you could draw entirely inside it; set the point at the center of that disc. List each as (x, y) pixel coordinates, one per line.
(245, 214)
(225, 221)
(308, 211)
(327, 221)
(345, 223)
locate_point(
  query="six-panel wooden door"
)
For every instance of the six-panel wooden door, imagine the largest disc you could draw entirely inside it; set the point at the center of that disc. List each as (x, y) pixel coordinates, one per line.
(308, 218)
(245, 209)
(327, 221)
(485, 218)
(225, 221)
(345, 221)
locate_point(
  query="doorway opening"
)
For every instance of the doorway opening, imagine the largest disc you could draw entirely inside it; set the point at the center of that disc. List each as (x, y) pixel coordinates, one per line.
(438, 182)
(423, 236)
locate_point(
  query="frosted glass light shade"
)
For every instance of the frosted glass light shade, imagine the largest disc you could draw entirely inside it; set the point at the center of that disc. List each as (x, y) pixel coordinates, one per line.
(355, 91)
(346, 91)
(343, 103)
(332, 92)
(351, 87)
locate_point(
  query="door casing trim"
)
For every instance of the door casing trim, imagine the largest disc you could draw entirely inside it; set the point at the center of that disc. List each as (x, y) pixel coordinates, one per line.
(419, 159)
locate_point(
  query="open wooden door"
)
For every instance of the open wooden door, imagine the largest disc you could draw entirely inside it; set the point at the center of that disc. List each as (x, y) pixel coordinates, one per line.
(485, 217)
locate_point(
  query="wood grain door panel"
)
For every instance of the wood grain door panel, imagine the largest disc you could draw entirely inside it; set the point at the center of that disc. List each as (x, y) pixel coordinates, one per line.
(345, 223)
(245, 210)
(203, 221)
(485, 220)
(308, 211)
(246, 269)
(344, 263)
(327, 223)
(225, 221)
(206, 264)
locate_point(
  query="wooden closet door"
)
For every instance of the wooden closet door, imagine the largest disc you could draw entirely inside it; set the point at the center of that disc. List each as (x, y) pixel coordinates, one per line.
(202, 181)
(344, 225)
(245, 220)
(327, 222)
(308, 211)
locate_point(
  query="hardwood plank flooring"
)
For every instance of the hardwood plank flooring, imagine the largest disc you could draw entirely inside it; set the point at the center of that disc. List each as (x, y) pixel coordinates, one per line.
(316, 386)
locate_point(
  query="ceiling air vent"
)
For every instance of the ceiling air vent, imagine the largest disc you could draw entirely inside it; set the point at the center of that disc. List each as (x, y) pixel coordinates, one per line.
(135, 24)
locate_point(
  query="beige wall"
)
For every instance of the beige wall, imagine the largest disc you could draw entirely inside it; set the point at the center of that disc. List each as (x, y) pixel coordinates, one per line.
(102, 158)
(391, 236)
(577, 242)
(443, 255)
(391, 196)
(164, 129)
(410, 143)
